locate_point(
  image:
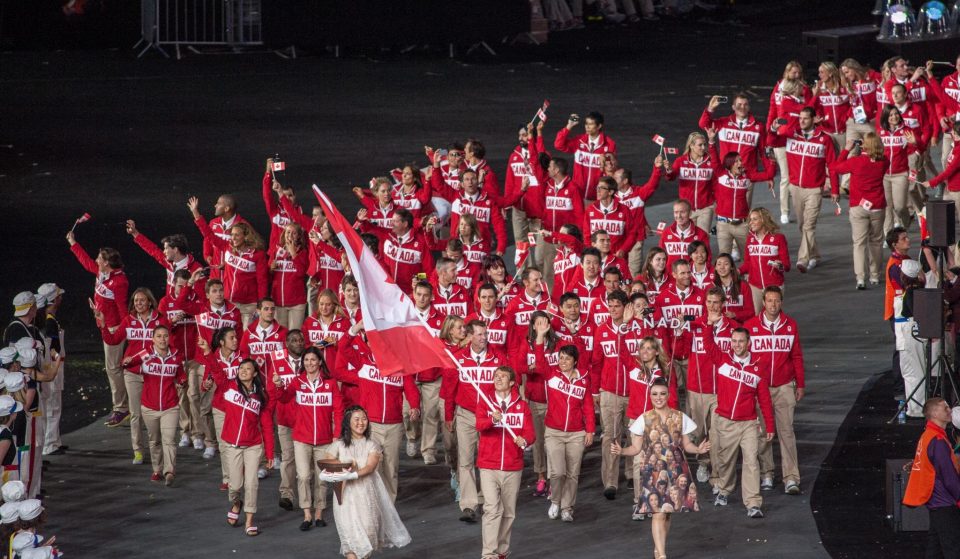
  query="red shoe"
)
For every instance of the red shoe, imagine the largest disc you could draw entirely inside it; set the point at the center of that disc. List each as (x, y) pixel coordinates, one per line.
(541, 489)
(156, 477)
(224, 486)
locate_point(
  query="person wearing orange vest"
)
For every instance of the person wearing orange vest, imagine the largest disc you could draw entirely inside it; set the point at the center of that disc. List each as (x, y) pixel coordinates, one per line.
(935, 482)
(899, 243)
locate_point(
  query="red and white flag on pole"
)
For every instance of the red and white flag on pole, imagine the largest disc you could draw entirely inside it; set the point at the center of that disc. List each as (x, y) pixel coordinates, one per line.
(658, 139)
(671, 151)
(81, 219)
(399, 340)
(542, 112)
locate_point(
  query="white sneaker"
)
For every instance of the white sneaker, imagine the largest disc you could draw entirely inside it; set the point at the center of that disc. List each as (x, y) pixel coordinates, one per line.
(184, 441)
(766, 484)
(791, 488)
(754, 512)
(715, 489)
(198, 443)
(209, 452)
(554, 511)
(720, 501)
(784, 218)
(735, 254)
(812, 264)
(566, 516)
(262, 473)
(703, 474)
(411, 448)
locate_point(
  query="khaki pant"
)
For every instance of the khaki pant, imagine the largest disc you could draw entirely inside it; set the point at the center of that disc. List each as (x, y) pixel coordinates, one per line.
(201, 407)
(288, 469)
(613, 418)
(242, 463)
(162, 434)
(499, 509)
(549, 253)
(896, 192)
(564, 455)
(134, 386)
(728, 233)
(291, 318)
(388, 436)
(523, 224)
(218, 417)
(449, 444)
(700, 408)
(839, 141)
(916, 197)
(465, 424)
(806, 202)
(680, 372)
(112, 357)
(189, 423)
(784, 402)
(312, 491)
(313, 292)
(247, 310)
(781, 156)
(635, 257)
(427, 427)
(732, 438)
(867, 228)
(703, 217)
(856, 131)
(539, 412)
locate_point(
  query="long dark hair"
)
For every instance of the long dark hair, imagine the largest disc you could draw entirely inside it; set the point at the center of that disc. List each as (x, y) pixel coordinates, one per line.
(258, 388)
(734, 276)
(314, 350)
(346, 435)
(552, 338)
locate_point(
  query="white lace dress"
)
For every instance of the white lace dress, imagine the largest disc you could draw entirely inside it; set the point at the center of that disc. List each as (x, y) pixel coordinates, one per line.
(367, 520)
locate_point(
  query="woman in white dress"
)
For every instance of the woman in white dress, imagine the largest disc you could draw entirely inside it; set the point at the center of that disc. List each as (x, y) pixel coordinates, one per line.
(366, 520)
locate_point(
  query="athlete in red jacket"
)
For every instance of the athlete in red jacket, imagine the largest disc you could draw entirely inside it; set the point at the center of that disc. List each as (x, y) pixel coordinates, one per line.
(285, 365)
(609, 215)
(677, 306)
(289, 265)
(174, 256)
(264, 336)
(221, 360)
(732, 185)
(225, 218)
(675, 238)
(588, 151)
(694, 172)
(279, 213)
(739, 132)
(505, 432)
(635, 197)
(404, 251)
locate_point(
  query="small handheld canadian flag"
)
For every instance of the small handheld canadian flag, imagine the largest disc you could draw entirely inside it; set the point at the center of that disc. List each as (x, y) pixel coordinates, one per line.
(541, 112)
(81, 219)
(671, 151)
(659, 140)
(912, 176)
(660, 227)
(279, 166)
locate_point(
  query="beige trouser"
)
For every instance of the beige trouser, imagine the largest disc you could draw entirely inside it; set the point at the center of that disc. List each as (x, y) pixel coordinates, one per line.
(465, 424)
(247, 310)
(288, 468)
(896, 190)
(523, 224)
(732, 438)
(112, 357)
(757, 294)
(388, 436)
(449, 443)
(703, 217)
(806, 202)
(700, 408)
(781, 155)
(916, 197)
(218, 417)
(867, 228)
(680, 372)
(499, 509)
(242, 464)
(539, 412)
(201, 406)
(291, 318)
(428, 426)
(728, 233)
(635, 257)
(312, 491)
(189, 423)
(549, 252)
(313, 292)
(613, 418)
(784, 402)
(564, 455)
(162, 434)
(857, 131)
(134, 386)
(839, 141)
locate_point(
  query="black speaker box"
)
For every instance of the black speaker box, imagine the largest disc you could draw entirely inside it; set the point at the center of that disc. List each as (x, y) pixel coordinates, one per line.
(903, 518)
(928, 312)
(941, 222)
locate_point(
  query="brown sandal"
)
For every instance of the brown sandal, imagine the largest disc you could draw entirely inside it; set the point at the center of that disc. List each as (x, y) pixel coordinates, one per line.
(233, 516)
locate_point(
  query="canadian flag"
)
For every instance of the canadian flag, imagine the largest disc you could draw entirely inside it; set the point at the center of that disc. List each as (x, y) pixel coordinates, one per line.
(82, 219)
(671, 151)
(658, 139)
(400, 341)
(279, 166)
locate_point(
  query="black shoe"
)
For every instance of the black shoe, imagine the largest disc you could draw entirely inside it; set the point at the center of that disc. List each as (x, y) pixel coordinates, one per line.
(320, 523)
(468, 515)
(305, 525)
(59, 451)
(630, 483)
(286, 503)
(610, 493)
(713, 230)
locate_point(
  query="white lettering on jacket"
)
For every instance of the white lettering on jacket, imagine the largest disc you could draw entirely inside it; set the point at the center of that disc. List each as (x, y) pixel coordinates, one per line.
(739, 375)
(371, 373)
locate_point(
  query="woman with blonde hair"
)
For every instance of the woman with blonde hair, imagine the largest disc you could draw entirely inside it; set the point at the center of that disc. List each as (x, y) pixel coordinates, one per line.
(289, 263)
(453, 334)
(245, 268)
(831, 100)
(867, 204)
(694, 172)
(767, 257)
(797, 94)
(863, 84)
(324, 331)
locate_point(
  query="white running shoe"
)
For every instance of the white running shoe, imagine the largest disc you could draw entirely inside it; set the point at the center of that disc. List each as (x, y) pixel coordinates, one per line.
(184, 441)
(784, 218)
(554, 511)
(209, 452)
(198, 443)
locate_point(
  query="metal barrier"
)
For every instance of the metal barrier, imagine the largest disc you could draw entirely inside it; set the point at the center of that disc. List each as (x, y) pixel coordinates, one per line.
(193, 23)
